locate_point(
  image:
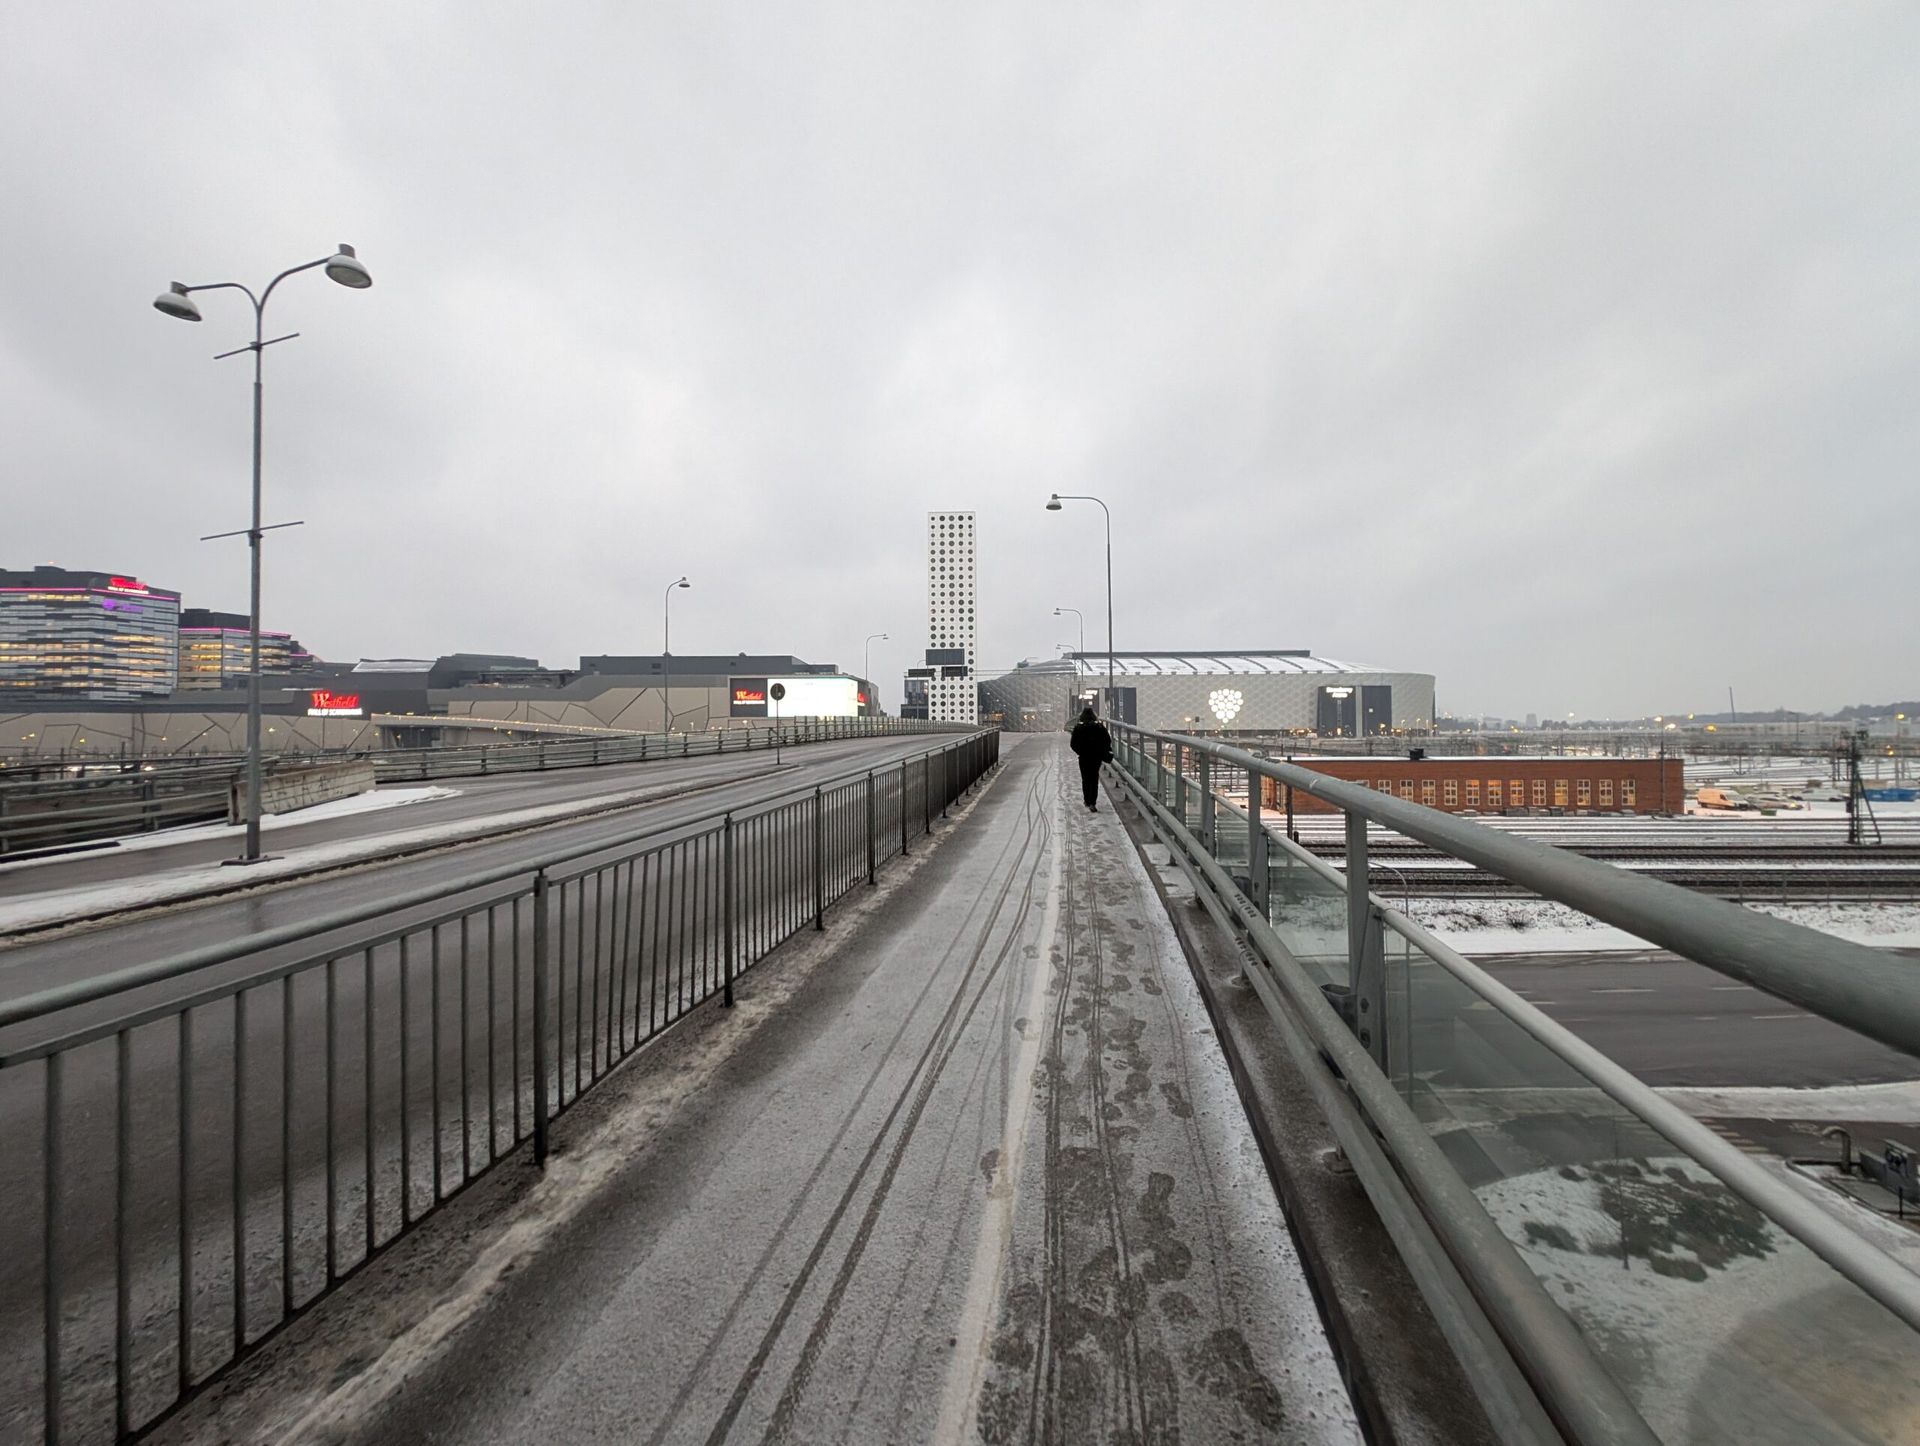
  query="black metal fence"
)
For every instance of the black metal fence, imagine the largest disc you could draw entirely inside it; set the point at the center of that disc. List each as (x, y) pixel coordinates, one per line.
(206, 1146)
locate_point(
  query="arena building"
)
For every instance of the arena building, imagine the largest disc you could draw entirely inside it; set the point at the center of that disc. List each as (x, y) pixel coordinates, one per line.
(1258, 691)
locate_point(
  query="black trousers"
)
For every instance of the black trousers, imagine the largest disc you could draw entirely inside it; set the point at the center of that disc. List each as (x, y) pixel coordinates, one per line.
(1090, 782)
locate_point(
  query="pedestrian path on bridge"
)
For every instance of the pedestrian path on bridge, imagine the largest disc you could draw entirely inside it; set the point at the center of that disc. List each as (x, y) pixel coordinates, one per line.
(969, 1168)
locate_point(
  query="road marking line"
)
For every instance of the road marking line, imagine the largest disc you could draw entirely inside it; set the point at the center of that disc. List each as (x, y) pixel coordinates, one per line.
(959, 1401)
(1636, 989)
(1727, 988)
(1795, 1015)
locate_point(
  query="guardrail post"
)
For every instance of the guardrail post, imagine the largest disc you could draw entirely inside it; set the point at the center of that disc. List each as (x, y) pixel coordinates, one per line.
(819, 860)
(727, 905)
(1203, 766)
(946, 779)
(149, 815)
(539, 1019)
(1366, 948)
(903, 808)
(926, 794)
(1256, 849)
(873, 824)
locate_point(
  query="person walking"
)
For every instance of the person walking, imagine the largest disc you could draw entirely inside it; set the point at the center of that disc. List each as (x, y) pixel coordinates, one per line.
(1095, 746)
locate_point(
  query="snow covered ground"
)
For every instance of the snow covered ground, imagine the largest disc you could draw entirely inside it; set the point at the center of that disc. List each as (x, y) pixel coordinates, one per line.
(1721, 1327)
(375, 801)
(1539, 926)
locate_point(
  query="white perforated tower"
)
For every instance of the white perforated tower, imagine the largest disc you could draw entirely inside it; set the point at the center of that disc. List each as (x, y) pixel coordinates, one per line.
(952, 696)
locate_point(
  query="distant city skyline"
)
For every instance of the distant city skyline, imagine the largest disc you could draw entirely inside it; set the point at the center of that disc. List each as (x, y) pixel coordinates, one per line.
(1564, 354)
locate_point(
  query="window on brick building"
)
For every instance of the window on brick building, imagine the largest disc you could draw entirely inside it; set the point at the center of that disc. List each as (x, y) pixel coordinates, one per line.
(1606, 793)
(1473, 792)
(1451, 793)
(1494, 793)
(1560, 793)
(1583, 793)
(1427, 792)
(1627, 793)
(1517, 792)
(1539, 793)
(1406, 789)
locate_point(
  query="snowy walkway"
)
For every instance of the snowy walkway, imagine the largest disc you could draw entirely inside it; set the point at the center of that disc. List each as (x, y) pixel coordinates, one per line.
(979, 1174)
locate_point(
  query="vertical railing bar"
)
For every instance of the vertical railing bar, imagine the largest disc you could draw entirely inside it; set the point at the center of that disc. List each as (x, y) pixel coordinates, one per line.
(184, 1090)
(52, 1285)
(493, 1033)
(367, 1087)
(466, 1093)
(683, 962)
(651, 866)
(579, 975)
(406, 1083)
(516, 1019)
(122, 1251)
(727, 909)
(239, 1172)
(433, 1023)
(539, 1021)
(286, 1145)
(593, 1011)
(560, 1006)
(626, 954)
(333, 1105)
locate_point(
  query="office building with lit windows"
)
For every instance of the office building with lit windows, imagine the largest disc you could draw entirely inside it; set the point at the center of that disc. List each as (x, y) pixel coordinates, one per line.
(76, 634)
(216, 651)
(947, 677)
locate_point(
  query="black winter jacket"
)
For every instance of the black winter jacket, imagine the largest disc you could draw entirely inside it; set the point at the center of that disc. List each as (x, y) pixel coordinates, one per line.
(1093, 743)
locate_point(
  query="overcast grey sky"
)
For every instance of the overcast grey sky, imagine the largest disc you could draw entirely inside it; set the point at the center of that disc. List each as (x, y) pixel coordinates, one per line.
(1569, 352)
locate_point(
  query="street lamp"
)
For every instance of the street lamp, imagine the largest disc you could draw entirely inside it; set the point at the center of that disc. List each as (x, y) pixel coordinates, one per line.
(666, 652)
(177, 301)
(1079, 617)
(1053, 505)
(866, 656)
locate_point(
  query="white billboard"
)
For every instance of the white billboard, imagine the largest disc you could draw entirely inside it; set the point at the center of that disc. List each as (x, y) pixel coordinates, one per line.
(814, 696)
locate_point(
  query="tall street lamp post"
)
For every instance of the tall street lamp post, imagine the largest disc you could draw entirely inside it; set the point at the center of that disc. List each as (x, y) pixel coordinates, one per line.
(666, 653)
(866, 657)
(1053, 505)
(177, 301)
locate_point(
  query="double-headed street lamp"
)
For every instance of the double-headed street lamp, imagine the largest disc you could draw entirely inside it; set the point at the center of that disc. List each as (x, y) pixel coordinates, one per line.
(1053, 505)
(666, 652)
(177, 301)
(1080, 618)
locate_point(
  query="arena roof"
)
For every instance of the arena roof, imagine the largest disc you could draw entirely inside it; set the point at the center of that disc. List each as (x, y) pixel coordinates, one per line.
(1240, 663)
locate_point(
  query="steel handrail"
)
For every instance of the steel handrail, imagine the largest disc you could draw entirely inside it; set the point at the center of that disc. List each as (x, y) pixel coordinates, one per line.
(87, 991)
(1864, 989)
(1584, 1400)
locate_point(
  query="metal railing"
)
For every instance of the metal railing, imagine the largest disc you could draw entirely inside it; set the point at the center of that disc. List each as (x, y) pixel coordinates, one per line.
(93, 802)
(1607, 1268)
(205, 1145)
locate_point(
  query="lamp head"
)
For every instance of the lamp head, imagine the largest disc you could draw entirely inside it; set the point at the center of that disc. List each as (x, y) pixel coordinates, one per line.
(174, 301)
(1053, 503)
(344, 267)
(683, 583)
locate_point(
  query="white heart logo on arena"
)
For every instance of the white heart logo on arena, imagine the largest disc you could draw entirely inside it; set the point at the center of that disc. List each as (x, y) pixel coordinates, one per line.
(1226, 703)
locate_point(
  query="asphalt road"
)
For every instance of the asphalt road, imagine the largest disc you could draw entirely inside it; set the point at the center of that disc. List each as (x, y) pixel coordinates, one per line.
(1673, 1022)
(33, 964)
(983, 1180)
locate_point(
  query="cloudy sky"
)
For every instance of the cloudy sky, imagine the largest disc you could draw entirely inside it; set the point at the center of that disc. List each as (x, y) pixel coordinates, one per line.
(1570, 352)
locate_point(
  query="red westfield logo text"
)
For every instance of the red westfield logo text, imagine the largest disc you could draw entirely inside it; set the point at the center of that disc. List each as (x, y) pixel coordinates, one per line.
(325, 702)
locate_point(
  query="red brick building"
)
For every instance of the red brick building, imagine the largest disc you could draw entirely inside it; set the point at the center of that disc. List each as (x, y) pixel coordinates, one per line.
(1504, 785)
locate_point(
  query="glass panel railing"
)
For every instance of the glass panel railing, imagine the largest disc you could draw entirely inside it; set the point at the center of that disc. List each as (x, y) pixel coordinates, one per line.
(1718, 1325)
